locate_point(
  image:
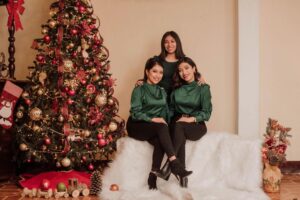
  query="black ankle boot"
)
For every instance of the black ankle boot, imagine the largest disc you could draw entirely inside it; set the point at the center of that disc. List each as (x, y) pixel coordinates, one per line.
(184, 182)
(152, 181)
(178, 170)
(165, 171)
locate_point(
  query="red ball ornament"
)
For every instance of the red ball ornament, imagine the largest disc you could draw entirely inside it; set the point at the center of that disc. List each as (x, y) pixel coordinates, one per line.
(47, 141)
(66, 89)
(91, 166)
(71, 92)
(27, 101)
(101, 142)
(100, 136)
(40, 57)
(86, 61)
(74, 31)
(45, 184)
(47, 39)
(88, 100)
(54, 62)
(70, 101)
(81, 9)
(74, 54)
(83, 81)
(84, 158)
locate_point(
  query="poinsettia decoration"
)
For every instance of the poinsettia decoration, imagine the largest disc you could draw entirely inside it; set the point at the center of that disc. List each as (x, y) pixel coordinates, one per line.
(275, 143)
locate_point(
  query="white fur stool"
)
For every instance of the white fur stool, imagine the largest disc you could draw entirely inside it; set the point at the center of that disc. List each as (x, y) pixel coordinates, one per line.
(225, 167)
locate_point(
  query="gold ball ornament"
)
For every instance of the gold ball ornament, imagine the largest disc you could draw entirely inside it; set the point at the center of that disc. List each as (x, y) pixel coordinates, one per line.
(35, 114)
(52, 13)
(113, 126)
(19, 114)
(25, 95)
(44, 30)
(40, 91)
(52, 23)
(87, 133)
(96, 78)
(61, 118)
(42, 77)
(110, 101)
(93, 70)
(66, 162)
(100, 100)
(36, 128)
(68, 65)
(114, 187)
(23, 147)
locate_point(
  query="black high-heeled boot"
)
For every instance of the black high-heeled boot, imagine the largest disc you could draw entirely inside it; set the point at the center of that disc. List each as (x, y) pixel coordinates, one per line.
(178, 170)
(183, 182)
(165, 171)
(152, 181)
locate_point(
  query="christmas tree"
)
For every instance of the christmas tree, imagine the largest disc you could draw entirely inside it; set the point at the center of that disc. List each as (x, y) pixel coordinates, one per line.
(67, 116)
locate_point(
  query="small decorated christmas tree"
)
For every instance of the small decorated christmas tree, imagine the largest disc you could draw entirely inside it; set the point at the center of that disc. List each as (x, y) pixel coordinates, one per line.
(68, 116)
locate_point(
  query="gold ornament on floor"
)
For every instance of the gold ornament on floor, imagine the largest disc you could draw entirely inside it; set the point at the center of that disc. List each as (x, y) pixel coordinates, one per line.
(100, 100)
(113, 126)
(114, 187)
(35, 114)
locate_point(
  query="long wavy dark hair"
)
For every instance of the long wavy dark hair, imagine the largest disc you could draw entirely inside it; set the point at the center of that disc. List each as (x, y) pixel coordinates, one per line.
(178, 81)
(178, 53)
(151, 62)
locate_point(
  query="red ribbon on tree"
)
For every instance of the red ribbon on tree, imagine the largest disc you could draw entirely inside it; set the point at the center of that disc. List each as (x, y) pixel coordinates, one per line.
(14, 8)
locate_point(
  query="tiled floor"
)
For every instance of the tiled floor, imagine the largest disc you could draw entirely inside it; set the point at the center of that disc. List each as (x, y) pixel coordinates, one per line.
(290, 190)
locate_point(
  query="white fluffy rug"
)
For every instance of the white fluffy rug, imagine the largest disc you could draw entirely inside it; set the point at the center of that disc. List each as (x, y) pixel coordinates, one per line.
(225, 167)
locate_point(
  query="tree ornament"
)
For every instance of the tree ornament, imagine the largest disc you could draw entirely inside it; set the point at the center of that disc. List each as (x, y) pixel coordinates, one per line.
(47, 39)
(19, 114)
(42, 77)
(44, 147)
(61, 118)
(87, 133)
(100, 100)
(70, 101)
(52, 23)
(96, 183)
(25, 95)
(68, 65)
(40, 57)
(36, 128)
(66, 15)
(23, 147)
(91, 167)
(113, 126)
(71, 45)
(58, 165)
(74, 31)
(96, 78)
(90, 89)
(28, 101)
(110, 101)
(71, 92)
(101, 142)
(99, 136)
(35, 114)
(40, 91)
(83, 158)
(66, 162)
(45, 184)
(44, 30)
(81, 9)
(114, 187)
(47, 141)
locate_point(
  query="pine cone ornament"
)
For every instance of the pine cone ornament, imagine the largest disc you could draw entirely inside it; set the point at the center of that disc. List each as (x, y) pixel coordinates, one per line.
(96, 182)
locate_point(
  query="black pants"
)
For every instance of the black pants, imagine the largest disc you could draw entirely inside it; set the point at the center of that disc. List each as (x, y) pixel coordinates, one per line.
(156, 134)
(182, 131)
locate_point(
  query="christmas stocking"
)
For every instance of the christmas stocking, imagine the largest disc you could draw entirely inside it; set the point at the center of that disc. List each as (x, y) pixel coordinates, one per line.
(8, 99)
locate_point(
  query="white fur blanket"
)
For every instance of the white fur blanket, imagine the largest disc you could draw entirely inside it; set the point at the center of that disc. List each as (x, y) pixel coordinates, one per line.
(225, 167)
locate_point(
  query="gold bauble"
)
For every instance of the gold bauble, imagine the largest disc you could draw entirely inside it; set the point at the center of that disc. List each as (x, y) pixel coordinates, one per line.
(110, 101)
(61, 118)
(20, 114)
(35, 114)
(42, 77)
(25, 95)
(44, 30)
(66, 15)
(66, 162)
(68, 65)
(23, 147)
(100, 100)
(52, 13)
(52, 23)
(113, 126)
(87, 133)
(96, 78)
(114, 187)
(36, 128)
(93, 70)
(40, 91)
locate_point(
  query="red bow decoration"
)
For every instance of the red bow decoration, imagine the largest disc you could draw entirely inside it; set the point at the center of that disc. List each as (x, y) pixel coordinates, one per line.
(14, 8)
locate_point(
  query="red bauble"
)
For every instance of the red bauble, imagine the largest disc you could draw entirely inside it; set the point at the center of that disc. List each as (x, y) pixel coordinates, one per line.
(88, 100)
(91, 167)
(47, 38)
(70, 101)
(74, 31)
(83, 81)
(101, 142)
(74, 54)
(45, 184)
(100, 136)
(66, 89)
(71, 92)
(54, 62)
(81, 9)
(27, 101)
(47, 141)
(86, 61)
(40, 57)
(84, 158)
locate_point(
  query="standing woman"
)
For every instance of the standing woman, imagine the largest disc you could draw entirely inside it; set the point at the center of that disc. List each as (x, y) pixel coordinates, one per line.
(148, 120)
(191, 106)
